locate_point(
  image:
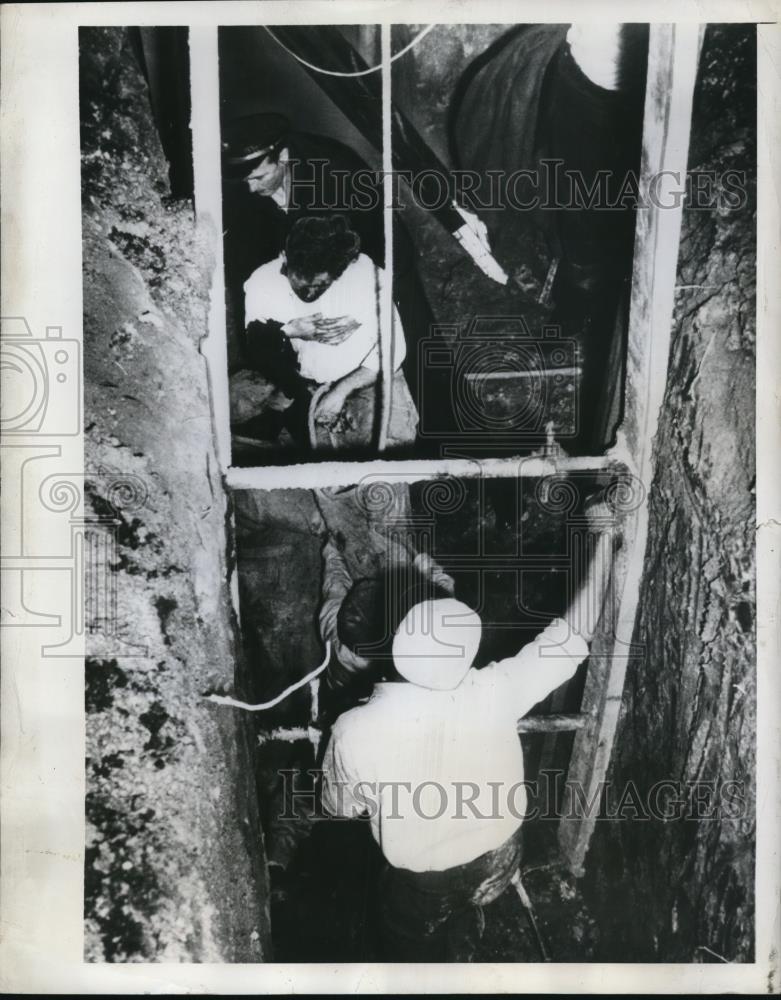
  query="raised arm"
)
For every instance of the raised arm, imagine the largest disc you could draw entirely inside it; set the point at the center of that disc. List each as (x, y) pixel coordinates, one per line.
(584, 612)
(554, 656)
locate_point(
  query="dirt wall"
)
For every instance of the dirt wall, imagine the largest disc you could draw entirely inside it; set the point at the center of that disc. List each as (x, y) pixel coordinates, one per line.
(175, 863)
(682, 889)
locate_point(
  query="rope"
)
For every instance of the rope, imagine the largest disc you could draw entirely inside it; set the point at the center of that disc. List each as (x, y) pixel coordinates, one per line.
(218, 699)
(527, 905)
(360, 72)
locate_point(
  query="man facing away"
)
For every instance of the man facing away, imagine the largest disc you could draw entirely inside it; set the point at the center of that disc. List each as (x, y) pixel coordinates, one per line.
(434, 759)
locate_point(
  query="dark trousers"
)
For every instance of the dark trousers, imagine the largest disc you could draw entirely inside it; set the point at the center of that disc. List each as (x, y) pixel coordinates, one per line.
(437, 916)
(591, 130)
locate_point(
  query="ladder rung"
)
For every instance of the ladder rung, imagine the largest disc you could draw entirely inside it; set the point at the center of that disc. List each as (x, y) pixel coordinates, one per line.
(530, 373)
(552, 723)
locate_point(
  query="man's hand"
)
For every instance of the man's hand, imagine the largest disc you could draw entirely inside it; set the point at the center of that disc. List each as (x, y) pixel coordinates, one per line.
(427, 567)
(324, 331)
(330, 406)
(303, 327)
(476, 224)
(473, 237)
(335, 330)
(604, 519)
(600, 516)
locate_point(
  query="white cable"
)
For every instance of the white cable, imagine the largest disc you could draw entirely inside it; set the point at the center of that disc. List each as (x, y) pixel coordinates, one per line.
(218, 699)
(360, 72)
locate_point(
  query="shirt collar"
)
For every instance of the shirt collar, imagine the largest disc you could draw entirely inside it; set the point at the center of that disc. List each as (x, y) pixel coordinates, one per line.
(406, 689)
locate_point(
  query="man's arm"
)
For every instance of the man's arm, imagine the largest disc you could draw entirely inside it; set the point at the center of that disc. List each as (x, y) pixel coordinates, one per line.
(332, 402)
(584, 612)
(428, 567)
(336, 584)
(324, 330)
(554, 656)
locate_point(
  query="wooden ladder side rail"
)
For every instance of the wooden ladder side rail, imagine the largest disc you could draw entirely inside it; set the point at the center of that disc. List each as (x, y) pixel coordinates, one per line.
(672, 69)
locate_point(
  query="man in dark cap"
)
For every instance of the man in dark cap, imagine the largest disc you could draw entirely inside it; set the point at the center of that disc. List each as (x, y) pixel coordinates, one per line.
(273, 175)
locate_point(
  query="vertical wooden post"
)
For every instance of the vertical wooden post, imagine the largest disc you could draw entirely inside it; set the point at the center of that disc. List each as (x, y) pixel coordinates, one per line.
(386, 295)
(207, 177)
(672, 69)
(207, 190)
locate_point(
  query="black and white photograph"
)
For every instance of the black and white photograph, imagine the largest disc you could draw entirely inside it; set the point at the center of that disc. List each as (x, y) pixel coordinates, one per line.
(513, 207)
(411, 619)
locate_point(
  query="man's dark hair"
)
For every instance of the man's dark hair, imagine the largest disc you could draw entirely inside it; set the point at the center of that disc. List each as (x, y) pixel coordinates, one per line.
(373, 609)
(317, 243)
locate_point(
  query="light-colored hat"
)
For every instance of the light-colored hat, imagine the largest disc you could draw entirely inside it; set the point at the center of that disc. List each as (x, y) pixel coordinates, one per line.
(436, 642)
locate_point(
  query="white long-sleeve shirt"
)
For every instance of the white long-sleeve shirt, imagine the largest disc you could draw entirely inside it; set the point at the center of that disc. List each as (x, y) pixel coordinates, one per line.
(411, 757)
(269, 296)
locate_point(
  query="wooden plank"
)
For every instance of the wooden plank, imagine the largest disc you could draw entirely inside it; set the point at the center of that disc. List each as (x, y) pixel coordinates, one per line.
(207, 176)
(530, 724)
(386, 296)
(554, 723)
(312, 475)
(672, 70)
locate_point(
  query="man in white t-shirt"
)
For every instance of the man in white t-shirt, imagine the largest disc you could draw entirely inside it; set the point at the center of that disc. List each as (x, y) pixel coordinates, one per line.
(435, 761)
(323, 295)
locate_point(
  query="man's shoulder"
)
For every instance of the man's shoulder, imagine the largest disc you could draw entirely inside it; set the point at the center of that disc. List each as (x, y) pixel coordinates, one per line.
(361, 268)
(353, 720)
(270, 271)
(482, 679)
(358, 726)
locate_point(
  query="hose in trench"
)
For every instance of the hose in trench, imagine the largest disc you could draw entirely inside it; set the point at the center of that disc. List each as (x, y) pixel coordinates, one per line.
(219, 699)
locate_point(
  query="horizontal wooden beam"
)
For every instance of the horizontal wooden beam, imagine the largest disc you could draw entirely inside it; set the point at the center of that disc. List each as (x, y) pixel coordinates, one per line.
(529, 724)
(313, 475)
(552, 723)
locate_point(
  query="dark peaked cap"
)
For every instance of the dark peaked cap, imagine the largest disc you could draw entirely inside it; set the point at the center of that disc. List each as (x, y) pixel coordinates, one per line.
(249, 138)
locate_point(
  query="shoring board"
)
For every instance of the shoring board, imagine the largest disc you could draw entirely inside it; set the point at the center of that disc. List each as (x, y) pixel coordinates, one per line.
(672, 70)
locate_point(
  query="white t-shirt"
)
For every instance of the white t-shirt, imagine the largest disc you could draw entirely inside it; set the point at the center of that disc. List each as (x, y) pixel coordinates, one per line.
(268, 296)
(415, 758)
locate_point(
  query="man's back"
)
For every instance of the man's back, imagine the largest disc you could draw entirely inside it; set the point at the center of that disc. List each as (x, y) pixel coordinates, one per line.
(441, 772)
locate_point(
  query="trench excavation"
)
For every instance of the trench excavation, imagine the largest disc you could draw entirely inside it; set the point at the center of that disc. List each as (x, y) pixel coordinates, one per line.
(185, 860)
